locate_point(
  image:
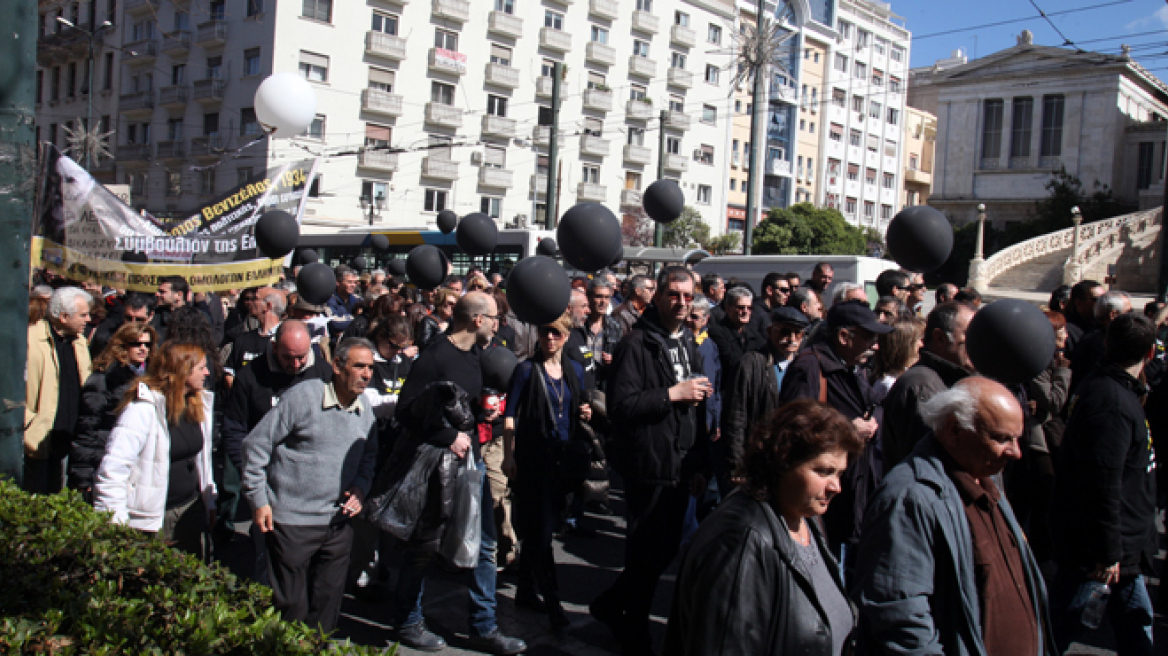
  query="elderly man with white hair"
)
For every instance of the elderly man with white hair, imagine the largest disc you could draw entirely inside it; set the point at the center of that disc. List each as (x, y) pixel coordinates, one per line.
(58, 364)
(943, 564)
(1088, 351)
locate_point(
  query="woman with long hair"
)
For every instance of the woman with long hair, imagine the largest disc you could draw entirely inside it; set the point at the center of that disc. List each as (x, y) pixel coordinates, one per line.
(431, 326)
(156, 475)
(898, 350)
(123, 359)
(540, 430)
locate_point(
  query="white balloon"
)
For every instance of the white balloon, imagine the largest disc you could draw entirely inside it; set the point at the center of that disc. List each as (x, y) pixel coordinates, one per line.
(285, 105)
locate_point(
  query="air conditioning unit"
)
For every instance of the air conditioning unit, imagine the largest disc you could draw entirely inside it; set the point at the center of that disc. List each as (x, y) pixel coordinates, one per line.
(476, 158)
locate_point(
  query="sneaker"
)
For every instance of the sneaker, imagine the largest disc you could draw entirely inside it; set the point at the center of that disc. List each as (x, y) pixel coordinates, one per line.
(417, 636)
(497, 643)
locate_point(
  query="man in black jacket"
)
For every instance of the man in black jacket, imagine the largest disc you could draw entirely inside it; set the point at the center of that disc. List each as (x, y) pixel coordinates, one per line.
(1080, 311)
(1090, 347)
(943, 362)
(1105, 501)
(736, 334)
(655, 391)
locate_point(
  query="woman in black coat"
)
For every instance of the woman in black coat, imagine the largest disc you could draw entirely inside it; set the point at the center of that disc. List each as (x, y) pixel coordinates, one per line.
(758, 577)
(122, 360)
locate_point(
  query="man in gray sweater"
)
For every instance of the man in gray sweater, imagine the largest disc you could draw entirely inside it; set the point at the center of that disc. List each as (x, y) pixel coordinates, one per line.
(307, 467)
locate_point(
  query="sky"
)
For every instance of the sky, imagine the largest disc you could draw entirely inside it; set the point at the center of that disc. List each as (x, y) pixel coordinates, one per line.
(1100, 25)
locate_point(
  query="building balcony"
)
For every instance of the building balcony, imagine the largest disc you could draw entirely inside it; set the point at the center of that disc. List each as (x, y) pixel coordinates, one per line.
(1050, 163)
(135, 152)
(609, 9)
(500, 22)
(458, 10)
(175, 149)
(918, 176)
(677, 120)
(497, 178)
(444, 115)
(600, 53)
(645, 22)
(679, 77)
(139, 103)
(498, 126)
(675, 162)
(207, 90)
(440, 168)
(173, 97)
(539, 184)
(784, 93)
(207, 147)
(630, 197)
(642, 66)
(566, 3)
(590, 192)
(598, 100)
(144, 51)
(593, 145)
(778, 167)
(211, 34)
(683, 36)
(141, 6)
(376, 101)
(389, 46)
(542, 136)
(377, 160)
(635, 154)
(543, 87)
(447, 61)
(502, 76)
(177, 43)
(1021, 163)
(554, 39)
(639, 110)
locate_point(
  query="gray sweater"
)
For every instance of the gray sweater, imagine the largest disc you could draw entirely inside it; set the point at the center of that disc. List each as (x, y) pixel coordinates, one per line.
(303, 456)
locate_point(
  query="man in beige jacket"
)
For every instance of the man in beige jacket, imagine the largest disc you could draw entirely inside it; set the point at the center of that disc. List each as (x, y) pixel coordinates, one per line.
(58, 364)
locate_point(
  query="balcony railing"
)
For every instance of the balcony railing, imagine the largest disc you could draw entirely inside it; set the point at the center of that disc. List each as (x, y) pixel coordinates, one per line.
(643, 21)
(440, 168)
(500, 22)
(642, 66)
(638, 109)
(541, 135)
(683, 36)
(140, 52)
(494, 177)
(677, 120)
(445, 115)
(447, 61)
(679, 77)
(600, 53)
(141, 6)
(503, 76)
(385, 45)
(176, 149)
(630, 197)
(173, 97)
(593, 145)
(675, 162)
(135, 152)
(543, 86)
(208, 90)
(539, 184)
(137, 102)
(609, 9)
(598, 100)
(211, 33)
(378, 160)
(498, 126)
(458, 10)
(638, 154)
(176, 43)
(1021, 163)
(376, 101)
(591, 192)
(554, 39)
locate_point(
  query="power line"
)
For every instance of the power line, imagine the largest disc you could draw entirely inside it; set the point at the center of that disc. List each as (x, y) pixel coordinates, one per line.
(1020, 20)
(1066, 41)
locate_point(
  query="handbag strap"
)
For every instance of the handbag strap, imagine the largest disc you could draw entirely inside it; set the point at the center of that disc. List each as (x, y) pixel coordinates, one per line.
(547, 399)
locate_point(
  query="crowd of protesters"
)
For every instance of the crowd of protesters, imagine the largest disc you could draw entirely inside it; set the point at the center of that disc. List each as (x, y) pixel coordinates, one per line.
(859, 486)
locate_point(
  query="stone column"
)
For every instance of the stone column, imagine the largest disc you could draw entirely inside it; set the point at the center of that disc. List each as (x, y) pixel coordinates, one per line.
(977, 271)
(1072, 270)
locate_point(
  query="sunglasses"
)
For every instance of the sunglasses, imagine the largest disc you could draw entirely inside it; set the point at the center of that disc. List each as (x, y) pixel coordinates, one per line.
(550, 331)
(680, 296)
(130, 319)
(137, 344)
(783, 290)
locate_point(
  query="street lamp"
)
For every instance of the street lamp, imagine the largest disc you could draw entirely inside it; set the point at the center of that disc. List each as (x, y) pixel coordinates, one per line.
(374, 205)
(89, 96)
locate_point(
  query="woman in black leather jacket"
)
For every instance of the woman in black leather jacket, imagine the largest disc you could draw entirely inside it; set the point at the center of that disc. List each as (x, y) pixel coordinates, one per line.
(758, 577)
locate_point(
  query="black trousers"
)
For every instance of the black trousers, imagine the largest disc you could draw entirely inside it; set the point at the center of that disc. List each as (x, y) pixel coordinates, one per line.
(44, 475)
(306, 569)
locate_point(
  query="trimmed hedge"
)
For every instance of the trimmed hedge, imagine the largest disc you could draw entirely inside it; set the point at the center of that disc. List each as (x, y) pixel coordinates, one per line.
(72, 582)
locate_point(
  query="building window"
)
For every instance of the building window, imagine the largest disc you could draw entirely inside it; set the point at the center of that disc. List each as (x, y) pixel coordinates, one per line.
(873, 143)
(991, 131)
(108, 82)
(705, 154)
(174, 129)
(71, 87)
(889, 148)
(1021, 127)
(255, 8)
(218, 10)
(590, 173)
(841, 63)
(858, 104)
(174, 184)
(1052, 126)
(673, 145)
(500, 55)
(839, 98)
(893, 116)
(496, 105)
(861, 71)
(381, 80)
(645, 5)
(441, 93)
(446, 39)
(553, 19)
(714, 34)
(435, 200)
(248, 125)
(242, 175)
(599, 34)
(733, 184)
(384, 23)
(316, 128)
(869, 209)
(712, 73)
(251, 61)
(889, 180)
(640, 48)
(709, 114)
(881, 44)
(705, 193)
(897, 54)
(855, 137)
(505, 6)
(854, 172)
(377, 136)
(1146, 155)
(874, 109)
(321, 10)
(845, 29)
(207, 181)
(862, 37)
(885, 212)
(893, 84)
(139, 183)
(870, 176)
(681, 18)
(836, 132)
(850, 206)
(677, 60)
(636, 136)
(877, 78)
(314, 67)
(215, 67)
(491, 206)
(802, 124)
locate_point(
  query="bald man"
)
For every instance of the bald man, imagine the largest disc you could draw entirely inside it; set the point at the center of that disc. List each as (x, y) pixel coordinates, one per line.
(940, 540)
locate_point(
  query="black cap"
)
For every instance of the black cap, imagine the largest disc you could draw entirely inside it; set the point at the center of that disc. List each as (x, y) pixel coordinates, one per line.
(855, 313)
(790, 316)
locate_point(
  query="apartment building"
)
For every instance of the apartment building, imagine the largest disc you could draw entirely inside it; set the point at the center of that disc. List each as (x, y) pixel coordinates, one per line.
(919, 148)
(809, 143)
(424, 106)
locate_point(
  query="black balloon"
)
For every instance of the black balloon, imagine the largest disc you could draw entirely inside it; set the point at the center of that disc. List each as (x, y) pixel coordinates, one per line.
(396, 267)
(477, 234)
(538, 290)
(276, 233)
(426, 266)
(546, 247)
(589, 236)
(358, 263)
(620, 255)
(380, 243)
(919, 238)
(316, 283)
(308, 256)
(447, 221)
(663, 201)
(1010, 341)
(498, 363)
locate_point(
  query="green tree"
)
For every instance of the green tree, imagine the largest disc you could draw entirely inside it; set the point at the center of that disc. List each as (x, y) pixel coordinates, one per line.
(689, 229)
(803, 229)
(731, 242)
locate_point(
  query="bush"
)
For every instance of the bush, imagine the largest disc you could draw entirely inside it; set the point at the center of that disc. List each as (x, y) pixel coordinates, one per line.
(74, 583)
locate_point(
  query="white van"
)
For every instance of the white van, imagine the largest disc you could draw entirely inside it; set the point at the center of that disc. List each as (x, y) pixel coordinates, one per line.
(751, 269)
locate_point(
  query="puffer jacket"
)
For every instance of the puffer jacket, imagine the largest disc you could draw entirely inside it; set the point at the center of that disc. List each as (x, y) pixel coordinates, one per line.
(135, 473)
(100, 396)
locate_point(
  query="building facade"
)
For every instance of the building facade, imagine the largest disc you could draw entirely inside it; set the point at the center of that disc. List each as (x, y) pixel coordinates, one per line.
(920, 147)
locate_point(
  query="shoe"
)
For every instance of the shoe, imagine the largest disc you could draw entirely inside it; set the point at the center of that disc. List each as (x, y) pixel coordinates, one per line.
(557, 619)
(497, 643)
(417, 636)
(609, 615)
(527, 598)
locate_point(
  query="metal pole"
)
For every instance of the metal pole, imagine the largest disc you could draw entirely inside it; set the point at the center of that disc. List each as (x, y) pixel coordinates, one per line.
(659, 229)
(553, 148)
(977, 251)
(758, 101)
(17, 170)
(89, 99)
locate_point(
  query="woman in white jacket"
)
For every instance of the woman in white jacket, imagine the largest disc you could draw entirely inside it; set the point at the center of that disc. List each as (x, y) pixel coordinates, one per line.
(156, 475)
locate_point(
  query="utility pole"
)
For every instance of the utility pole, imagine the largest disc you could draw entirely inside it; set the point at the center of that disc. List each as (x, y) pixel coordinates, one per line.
(17, 170)
(758, 101)
(659, 229)
(1162, 277)
(554, 148)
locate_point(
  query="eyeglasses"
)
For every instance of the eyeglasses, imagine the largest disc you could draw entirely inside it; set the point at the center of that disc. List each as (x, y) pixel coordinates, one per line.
(602, 297)
(493, 317)
(133, 319)
(138, 344)
(783, 290)
(550, 331)
(742, 308)
(677, 296)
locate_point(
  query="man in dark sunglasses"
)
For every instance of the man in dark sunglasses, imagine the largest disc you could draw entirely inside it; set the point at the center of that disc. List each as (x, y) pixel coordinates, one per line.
(737, 333)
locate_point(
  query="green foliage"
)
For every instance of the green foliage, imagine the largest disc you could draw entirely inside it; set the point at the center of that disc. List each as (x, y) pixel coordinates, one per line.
(689, 229)
(74, 583)
(804, 230)
(731, 242)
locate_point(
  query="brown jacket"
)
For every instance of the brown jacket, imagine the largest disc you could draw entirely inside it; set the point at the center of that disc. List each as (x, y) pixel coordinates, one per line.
(41, 379)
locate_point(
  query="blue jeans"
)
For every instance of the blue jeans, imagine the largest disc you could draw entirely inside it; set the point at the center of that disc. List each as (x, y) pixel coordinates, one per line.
(1129, 608)
(407, 605)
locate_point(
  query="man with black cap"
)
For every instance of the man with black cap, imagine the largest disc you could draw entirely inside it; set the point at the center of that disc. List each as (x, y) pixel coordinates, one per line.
(828, 371)
(753, 392)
